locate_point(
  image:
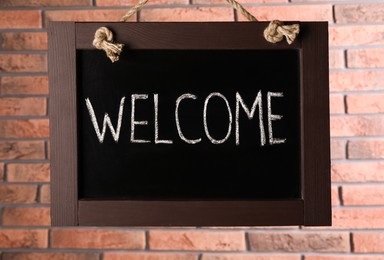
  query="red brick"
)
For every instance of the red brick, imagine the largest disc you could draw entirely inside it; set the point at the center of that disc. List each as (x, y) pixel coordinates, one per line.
(9, 3)
(356, 80)
(356, 35)
(365, 103)
(242, 228)
(337, 149)
(149, 256)
(12, 193)
(25, 40)
(20, 19)
(22, 150)
(249, 257)
(24, 128)
(28, 172)
(197, 240)
(336, 103)
(24, 85)
(36, 216)
(336, 59)
(358, 172)
(305, 1)
(133, 2)
(23, 106)
(92, 238)
(335, 196)
(357, 126)
(187, 14)
(343, 257)
(365, 58)
(242, 2)
(368, 242)
(45, 194)
(50, 256)
(23, 238)
(358, 218)
(363, 195)
(291, 13)
(366, 149)
(23, 63)
(99, 15)
(359, 13)
(303, 241)
(1, 172)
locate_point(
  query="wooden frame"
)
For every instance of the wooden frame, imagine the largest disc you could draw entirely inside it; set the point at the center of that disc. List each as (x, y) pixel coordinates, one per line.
(314, 209)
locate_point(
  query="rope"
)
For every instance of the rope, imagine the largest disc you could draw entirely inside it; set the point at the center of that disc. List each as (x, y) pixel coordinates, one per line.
(236, 5)
(275, 31)
(134, 9)
(104, 41)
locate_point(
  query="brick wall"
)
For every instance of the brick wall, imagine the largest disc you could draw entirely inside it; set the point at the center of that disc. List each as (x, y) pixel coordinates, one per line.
(357, 126)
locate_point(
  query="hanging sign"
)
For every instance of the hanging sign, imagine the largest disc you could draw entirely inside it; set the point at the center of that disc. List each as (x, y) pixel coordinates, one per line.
(196, 124)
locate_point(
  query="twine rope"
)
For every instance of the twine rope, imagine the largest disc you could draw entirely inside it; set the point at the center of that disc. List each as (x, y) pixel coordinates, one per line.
(236, 5)
(134, 9)
(275, 31)
(104, 41)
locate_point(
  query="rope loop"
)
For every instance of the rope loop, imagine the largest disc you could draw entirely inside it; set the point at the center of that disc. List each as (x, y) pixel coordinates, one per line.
(104, 41)
(276, 31)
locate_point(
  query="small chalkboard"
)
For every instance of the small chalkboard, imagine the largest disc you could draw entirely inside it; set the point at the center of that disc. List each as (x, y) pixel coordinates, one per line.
(197, 124)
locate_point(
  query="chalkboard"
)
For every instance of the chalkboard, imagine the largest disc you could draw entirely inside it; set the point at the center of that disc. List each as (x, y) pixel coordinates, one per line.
(183, 125)
(179, 170)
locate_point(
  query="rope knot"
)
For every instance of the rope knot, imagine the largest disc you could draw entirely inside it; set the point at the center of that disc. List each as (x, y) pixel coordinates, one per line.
(104, 41)
(276, 31)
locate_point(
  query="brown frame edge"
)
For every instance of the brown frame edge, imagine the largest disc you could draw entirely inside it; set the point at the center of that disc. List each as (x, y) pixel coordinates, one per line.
(63, 123)
(316, 126)
(67, 210)
(190, 213)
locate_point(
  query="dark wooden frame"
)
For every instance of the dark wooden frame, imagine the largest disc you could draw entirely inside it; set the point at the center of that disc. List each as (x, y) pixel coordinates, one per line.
(314, 209)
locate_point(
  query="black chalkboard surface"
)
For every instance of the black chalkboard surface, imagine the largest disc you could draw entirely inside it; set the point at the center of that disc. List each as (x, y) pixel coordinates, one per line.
(181, 170)
(197, 124)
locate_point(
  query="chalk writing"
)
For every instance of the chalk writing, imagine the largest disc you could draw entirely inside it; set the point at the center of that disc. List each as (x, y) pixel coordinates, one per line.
(250, 113)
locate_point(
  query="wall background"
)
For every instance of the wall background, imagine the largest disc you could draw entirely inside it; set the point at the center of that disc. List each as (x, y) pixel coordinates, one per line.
(356, 30)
